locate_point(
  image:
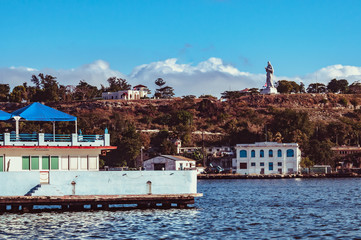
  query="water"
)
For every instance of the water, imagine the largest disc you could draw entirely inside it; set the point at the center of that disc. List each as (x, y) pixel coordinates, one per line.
(230, 209)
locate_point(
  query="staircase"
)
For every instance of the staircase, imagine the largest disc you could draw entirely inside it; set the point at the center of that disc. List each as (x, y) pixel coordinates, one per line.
(34, 189)
(44, 190)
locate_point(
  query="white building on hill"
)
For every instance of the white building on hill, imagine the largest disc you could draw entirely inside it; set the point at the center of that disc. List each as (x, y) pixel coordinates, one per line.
(138, 92)
(267, 158)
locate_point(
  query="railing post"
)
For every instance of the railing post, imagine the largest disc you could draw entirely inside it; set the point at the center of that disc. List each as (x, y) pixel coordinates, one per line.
(106, 139)
(74, 139)
(41, 139)
(6, 139)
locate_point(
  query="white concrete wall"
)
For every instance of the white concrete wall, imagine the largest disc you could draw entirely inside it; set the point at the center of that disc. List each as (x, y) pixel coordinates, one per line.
(100, 183)
(17, 183)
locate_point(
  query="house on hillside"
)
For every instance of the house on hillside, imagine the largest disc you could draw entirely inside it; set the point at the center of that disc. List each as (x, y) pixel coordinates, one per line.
(138, 92)
(350, 156)
(267, 158)
(169, 162)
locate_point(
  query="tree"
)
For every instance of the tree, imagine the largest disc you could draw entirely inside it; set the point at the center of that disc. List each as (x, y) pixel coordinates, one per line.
(284, 86)
(163, 143)
(292, 125)
(338, 86)
(129, 145)
(306, 163)
(316, 88)
(166, 92)
(163, 92)
(355, 87)
(117, 84)
(4, 92)
(18, 94)
(320, 152)
(46, 88)
(85, 91)
(231, 94)
(302, 88)
(159, 82)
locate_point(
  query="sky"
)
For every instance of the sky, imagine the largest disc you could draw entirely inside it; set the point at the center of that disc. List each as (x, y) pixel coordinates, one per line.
(197, 46)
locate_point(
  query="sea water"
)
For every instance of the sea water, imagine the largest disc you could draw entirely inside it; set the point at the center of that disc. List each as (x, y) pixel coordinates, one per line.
(229, 209)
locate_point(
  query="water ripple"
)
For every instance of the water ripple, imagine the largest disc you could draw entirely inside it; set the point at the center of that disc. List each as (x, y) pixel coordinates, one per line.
(230, 209)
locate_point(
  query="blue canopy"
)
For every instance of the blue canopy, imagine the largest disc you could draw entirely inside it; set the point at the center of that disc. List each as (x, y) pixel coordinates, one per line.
(4, 115)
(39, 112)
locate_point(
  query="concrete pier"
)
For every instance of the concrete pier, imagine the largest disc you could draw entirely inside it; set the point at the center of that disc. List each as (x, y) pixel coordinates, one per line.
(25, 204)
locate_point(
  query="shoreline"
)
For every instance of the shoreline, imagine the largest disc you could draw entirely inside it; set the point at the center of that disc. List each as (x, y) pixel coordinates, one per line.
(277, 176)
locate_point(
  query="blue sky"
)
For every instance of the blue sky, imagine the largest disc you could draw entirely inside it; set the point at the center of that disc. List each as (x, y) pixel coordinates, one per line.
(135, 39)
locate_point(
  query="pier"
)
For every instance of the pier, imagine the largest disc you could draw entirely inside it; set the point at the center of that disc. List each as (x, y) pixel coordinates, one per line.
(28, 204)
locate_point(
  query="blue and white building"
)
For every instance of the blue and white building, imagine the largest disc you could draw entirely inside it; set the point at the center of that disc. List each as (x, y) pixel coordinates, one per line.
(267, 158)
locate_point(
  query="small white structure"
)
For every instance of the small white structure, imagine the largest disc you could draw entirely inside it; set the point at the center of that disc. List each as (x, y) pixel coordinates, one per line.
(267, 158)
(220, 151)
(169, 162)
(138, 92)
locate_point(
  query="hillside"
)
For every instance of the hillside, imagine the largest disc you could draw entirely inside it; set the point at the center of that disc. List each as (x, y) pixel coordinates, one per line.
(326, 118)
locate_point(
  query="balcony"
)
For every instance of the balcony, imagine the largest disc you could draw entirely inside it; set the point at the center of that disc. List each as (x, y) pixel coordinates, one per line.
(46, 139)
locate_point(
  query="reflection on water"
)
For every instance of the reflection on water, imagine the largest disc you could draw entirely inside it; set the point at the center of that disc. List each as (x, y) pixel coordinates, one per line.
(231, 209)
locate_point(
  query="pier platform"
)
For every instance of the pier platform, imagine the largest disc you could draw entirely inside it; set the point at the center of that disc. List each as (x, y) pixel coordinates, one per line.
(94, 202)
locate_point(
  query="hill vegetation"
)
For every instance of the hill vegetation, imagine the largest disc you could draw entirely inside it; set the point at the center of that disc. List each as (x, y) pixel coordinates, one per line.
(315, 121)
(323, 117)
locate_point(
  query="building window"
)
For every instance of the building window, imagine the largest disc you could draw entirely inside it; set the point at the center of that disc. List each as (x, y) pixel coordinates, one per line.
(54, 163)
(279, 153)
(261, 164)
(270, 153)
(34, 163)
(243, 153)
(270, 166)
(1, 163)
(290, 153)
(26, 163)
(253, 153)
(242, 165)
(253, 164)
(45, 162)
(261, 153)
(279, 164)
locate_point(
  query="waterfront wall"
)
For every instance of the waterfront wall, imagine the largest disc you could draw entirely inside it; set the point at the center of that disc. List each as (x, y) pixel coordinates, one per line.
(100, 183)
(17, 183)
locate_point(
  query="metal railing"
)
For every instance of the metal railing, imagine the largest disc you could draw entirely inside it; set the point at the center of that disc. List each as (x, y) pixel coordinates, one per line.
(48, 137)
(24, 137)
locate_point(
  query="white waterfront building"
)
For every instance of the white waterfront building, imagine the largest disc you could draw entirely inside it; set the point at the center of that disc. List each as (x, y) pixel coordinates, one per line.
(267, 158)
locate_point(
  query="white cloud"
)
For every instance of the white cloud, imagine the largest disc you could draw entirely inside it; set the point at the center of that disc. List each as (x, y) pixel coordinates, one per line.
(95, 73)
(209, 77)
(212, 76)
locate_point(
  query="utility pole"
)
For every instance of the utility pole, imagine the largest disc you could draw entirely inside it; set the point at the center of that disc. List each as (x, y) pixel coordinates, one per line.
(204, 156)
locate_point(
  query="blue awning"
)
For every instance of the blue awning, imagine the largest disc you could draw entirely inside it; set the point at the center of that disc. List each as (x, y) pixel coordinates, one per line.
(4, 115)
(39, 112)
